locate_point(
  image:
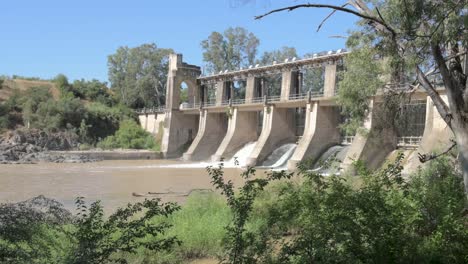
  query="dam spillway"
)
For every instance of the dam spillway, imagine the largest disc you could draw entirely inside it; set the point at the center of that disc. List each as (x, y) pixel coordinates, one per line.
(274, 105)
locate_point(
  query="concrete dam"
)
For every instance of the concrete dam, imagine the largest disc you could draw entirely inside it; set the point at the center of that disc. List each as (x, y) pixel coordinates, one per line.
(278, 115)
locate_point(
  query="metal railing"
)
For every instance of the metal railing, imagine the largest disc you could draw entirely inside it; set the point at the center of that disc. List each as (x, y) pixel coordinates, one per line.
(347, 140)
(303, 96)
(152, 110)
(409, 142)
(257, 100)
(300, 96)
(238, 101)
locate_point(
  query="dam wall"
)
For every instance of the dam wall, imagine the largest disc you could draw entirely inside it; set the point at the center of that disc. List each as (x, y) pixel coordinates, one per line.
(288, 102)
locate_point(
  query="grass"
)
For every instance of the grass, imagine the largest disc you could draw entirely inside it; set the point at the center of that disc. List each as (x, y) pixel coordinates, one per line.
(11, 84)
(199, 225)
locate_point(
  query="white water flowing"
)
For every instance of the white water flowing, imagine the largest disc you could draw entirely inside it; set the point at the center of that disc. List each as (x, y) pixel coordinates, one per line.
(279, 157)
(326, 164)
(242, 155)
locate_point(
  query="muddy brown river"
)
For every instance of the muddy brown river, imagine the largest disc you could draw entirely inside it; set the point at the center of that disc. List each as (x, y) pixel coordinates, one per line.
(112, 182)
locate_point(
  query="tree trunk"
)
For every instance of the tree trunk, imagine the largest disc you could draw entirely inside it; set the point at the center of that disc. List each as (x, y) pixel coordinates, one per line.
(461, 135)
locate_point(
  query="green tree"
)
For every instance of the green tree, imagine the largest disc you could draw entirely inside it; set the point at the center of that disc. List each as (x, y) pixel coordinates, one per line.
(93, 90)
(234, 48)
(420, 39)
(268, 57)
(138, 75)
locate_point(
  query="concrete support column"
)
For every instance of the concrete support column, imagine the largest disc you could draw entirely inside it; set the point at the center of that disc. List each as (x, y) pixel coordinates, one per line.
(220, 86)
(286, 84)
(242, 128)
(151, 120)
(250, 89)
(212, 129)
(330, 80)
(436, 136)
(372, 146)
(320, 132)
(173, 93)
(179, 131)
(278, 128)
(143, 120)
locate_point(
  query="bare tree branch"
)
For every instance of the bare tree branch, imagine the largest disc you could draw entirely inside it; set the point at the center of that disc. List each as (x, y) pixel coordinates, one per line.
(334, 7)
(441, 106)
(427, 157)
(327, 17)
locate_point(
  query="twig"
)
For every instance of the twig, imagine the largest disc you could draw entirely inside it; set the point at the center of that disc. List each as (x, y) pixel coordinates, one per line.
(327, 17)
(427, 157)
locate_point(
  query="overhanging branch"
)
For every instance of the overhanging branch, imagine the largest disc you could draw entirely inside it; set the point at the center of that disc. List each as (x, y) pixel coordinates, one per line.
(334, 7)
(427, 157)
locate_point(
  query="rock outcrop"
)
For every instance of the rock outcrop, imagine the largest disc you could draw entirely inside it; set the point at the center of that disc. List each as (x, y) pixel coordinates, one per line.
(32, 146)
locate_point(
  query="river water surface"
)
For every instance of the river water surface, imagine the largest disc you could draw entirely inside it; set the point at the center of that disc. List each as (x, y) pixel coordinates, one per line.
(112, 182)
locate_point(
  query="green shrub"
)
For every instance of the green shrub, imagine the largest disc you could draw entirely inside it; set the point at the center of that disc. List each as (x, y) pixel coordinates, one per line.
(199, 226)
(130, 135)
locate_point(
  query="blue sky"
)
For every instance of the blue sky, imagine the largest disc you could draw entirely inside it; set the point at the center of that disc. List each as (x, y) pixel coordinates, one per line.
(47, 37)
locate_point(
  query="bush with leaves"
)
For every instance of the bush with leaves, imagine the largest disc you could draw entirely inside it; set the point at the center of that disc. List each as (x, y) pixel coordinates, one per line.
(385, 220)
(98, 240)
(129, 136)
(242, 245)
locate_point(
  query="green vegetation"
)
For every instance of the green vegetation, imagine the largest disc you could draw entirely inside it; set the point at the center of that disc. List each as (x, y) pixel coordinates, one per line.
(233, 48)
(129, 136)
(31, 236)
(383, 219)
(138, 75)
(86, 109)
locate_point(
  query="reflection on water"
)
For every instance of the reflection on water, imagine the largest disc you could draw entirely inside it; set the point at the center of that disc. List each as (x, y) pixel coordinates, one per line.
(112, 182)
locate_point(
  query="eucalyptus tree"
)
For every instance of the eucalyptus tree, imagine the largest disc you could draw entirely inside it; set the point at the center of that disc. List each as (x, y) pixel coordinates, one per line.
(230, 50)
(419, 39)
(138, 75)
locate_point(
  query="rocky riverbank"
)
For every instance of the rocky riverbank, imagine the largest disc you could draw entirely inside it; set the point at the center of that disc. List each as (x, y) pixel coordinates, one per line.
(33, 146)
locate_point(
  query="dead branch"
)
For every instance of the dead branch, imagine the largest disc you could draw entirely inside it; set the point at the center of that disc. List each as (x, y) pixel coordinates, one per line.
(427, 157)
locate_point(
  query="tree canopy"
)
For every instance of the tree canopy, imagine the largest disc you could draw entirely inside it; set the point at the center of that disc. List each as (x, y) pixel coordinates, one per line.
(138, 75)
(234, 48)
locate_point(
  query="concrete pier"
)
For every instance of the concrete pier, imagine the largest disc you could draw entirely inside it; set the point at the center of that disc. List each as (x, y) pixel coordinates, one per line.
(278, 129)
(179, 132)
(242, 128)
(372, 145)
(211, 131)
(321, 132)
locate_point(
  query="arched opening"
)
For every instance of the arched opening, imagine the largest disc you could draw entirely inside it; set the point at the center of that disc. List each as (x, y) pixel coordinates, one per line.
(183, 93)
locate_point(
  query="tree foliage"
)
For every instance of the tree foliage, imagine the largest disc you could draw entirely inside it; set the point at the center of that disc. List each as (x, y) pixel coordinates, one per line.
(97, 240)
(130, 135)
(376, 218)
(360, 82)
(138, 75)
(268, 57)
(40, 231)
(234, 48)
(241, 245)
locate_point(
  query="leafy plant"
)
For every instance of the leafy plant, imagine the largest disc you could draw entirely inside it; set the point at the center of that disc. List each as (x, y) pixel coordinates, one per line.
(240, 244)
(129, 136)
(98, 239)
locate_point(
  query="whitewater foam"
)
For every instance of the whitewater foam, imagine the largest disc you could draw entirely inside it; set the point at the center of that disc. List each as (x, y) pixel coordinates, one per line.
(241, 155)
(279, 157)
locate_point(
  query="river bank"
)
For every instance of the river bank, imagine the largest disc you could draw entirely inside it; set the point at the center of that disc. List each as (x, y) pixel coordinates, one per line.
(31, 147)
